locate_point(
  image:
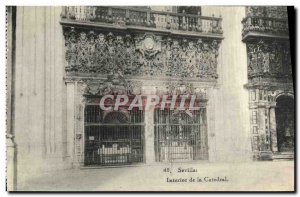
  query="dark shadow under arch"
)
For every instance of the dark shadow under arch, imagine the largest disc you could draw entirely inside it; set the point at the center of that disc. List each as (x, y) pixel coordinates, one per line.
(285, 121)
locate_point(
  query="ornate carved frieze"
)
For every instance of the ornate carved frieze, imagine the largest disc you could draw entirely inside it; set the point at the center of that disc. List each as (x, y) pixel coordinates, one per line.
(116, 84)
(140, 55)
(113, 85)
(267, 97)
(269, 59)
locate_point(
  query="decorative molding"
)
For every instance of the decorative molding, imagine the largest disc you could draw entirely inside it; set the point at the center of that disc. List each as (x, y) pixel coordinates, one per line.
(113, 85)
(182, 87)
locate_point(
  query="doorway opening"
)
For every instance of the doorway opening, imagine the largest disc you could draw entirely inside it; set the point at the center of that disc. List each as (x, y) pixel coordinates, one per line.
(180, 135)
(285, 123)
(113, 138)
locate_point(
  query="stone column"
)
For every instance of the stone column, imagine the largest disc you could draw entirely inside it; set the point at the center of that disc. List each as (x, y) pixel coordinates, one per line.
(39, 91)
(209, 126)
(265, 151)
(11, 163)
(70, 121)
(79, 126)
(273, 132)
(261, 127)
(149, 137)
(149, 149)
(10, 73)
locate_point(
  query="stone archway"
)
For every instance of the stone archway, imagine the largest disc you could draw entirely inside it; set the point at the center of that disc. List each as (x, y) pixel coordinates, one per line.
(285, 123)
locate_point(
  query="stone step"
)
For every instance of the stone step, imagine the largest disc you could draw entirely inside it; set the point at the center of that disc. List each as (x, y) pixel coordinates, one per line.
(283, 156)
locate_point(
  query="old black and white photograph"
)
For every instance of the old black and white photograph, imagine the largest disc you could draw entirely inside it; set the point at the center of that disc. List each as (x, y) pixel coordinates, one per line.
(166, 98)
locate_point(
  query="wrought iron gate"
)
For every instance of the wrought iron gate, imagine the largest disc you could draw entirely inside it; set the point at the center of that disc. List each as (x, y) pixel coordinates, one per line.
(180, 135)
(113, 138)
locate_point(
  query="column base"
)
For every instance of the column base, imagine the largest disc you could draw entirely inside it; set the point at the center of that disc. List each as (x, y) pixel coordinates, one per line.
(11, 168)
(265, 156)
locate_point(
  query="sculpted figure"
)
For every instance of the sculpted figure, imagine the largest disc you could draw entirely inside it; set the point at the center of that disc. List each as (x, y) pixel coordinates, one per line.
(129, 54)
(101, 50)
(100, 42)
(199, 58)
(176, 59)
(252, 55)
(183, 54)
(206, 60)
(110, 65)
(276, 57)
(120, 53)
(82, 47)
(183, 59)
(191, 59)
(168, 57)
(263, 56)
(110, 43)
(214, 56)
(92, 51)
(71, 52)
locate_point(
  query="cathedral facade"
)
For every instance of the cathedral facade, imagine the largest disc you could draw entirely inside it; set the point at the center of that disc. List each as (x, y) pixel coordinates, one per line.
(80, 78)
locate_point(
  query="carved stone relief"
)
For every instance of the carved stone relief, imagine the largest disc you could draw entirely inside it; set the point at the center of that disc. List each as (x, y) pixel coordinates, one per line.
(113, 85)
(140, 55)
(266, 58)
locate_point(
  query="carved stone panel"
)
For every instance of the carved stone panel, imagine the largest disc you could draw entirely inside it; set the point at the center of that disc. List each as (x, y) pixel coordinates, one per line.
(269, 59)
(113, 85)
(140, 55)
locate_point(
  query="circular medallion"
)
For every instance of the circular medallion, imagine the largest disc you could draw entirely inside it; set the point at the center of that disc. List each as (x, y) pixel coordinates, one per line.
(149, 43)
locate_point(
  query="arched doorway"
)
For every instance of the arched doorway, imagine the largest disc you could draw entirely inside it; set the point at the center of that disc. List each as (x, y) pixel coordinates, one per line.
(285, 123)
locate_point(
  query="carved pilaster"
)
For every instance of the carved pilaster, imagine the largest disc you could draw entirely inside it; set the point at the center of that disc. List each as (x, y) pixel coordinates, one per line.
(273, 129)
(71, 88)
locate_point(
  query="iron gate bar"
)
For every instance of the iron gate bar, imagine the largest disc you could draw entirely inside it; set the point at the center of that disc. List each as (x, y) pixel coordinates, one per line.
(183, 141)
(113, 143)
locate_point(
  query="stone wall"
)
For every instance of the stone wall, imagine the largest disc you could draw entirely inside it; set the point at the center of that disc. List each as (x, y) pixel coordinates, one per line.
(40, 93)
(232, 138)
